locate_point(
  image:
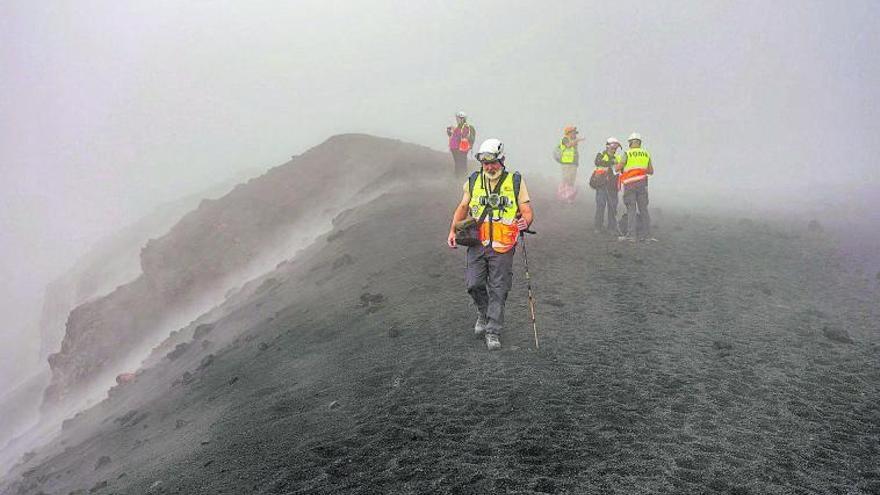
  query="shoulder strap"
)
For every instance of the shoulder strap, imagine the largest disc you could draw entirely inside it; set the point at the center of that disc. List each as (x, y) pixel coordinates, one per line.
(517, 179)
(471, 181)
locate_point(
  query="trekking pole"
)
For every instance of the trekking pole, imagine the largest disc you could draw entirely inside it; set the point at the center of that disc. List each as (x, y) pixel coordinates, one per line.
(529, 281)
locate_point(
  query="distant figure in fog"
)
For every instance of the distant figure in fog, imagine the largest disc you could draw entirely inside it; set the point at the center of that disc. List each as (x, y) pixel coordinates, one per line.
(636, 166)
(566, 155)
(604, 181)
(461, 140)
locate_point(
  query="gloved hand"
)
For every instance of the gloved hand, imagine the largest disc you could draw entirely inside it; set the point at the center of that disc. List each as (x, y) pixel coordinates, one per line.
(521, 224)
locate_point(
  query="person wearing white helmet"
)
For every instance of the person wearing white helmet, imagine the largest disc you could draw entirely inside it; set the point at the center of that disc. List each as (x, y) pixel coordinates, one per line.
(495, 207)
(635, 167)
(604, 181)
(461, 139)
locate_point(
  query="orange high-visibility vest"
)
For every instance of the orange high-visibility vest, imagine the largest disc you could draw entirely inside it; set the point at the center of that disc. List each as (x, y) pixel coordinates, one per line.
(499, 225)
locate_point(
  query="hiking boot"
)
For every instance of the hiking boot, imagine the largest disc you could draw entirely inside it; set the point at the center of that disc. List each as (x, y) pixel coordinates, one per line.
(480, 326)
(493, 341)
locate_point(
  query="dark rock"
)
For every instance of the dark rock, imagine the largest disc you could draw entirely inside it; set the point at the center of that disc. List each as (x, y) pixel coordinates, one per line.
(206, 361)
(180, 424)
(341, 261)
(179, 350)
(263, 346)
(202, 330)
(99, 486)
(102, 462)
(838, 335)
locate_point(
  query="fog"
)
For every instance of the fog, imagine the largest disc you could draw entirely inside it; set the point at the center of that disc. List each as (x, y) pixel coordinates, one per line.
(110, 109)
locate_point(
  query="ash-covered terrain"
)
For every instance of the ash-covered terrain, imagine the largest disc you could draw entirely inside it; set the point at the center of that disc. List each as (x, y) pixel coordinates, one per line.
(734, 356)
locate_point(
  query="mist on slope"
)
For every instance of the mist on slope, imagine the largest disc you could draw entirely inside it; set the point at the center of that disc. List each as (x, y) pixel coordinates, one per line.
(111, 108)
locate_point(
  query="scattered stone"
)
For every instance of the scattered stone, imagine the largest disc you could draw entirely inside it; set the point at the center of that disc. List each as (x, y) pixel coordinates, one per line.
(393, 332)
(99, 486)
(206, 442)
(180, 424)
(155, 486)
(206, 361)
(202, 330)
(122, 475)
(815, 226)
(124, 378)
(263, 346)
(334, 405)
(341, 261)
(208, 463)
(722, 346)
(178, 351)
(102, 461)
(28, 456)
(232, 380)
(837, 335)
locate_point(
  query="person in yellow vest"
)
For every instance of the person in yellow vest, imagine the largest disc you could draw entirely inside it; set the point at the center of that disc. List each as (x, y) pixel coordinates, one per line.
(461, 140)
(635, 166)
(604, 181)
(497, 206)
(566, 154)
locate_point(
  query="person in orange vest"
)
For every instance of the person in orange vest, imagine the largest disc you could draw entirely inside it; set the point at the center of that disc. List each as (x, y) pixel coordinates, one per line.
(461, 140)
(495, 208)
(635, 166)
(604, 181)
(566, 154)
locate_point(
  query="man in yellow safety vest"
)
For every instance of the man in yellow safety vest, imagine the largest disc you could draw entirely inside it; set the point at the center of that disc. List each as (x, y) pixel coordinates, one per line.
(635, 167)
(495, 205)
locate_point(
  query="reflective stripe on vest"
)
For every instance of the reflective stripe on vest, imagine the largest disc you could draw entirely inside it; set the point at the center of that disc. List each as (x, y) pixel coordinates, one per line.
(499, 225)
(567, 153)
(636, 168)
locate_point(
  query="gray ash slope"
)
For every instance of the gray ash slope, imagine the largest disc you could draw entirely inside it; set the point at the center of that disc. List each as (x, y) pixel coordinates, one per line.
(730, 358)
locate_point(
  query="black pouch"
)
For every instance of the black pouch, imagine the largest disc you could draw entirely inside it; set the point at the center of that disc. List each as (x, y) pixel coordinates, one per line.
(467, 232)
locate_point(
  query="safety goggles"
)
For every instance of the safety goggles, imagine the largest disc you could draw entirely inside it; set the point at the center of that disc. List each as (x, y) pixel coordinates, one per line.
(486, 157)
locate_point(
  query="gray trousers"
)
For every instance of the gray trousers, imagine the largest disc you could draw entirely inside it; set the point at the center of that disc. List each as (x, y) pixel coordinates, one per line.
(489, 275)
(635, 197)
(606, 197)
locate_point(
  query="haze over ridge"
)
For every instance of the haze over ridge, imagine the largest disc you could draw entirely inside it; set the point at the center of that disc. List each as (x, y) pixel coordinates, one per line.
(110, 108)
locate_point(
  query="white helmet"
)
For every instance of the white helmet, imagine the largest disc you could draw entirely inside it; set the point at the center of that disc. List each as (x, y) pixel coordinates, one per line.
(491, 150)
(613, 140)
(461, 115)
(635, 137)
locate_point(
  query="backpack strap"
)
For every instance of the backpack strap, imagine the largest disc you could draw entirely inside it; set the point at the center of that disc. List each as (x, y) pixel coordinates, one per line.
(517, 179)
(471, 181)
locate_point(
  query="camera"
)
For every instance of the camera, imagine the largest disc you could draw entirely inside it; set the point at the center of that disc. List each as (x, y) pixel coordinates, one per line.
(494, 200)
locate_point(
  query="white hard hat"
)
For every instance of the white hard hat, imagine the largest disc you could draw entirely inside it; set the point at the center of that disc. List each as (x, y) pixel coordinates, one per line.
(491, 150)
(634, 136)
(461, 115)
(612, 140)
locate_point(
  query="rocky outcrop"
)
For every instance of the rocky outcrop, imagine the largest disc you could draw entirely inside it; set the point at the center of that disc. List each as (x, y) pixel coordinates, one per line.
(112, 261)
(219, 239)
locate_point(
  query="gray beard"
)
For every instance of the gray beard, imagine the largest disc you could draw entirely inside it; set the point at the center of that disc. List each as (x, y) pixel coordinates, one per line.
(493, 175)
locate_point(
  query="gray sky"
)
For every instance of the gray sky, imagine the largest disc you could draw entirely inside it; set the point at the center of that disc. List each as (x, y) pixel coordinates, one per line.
(109, 108)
